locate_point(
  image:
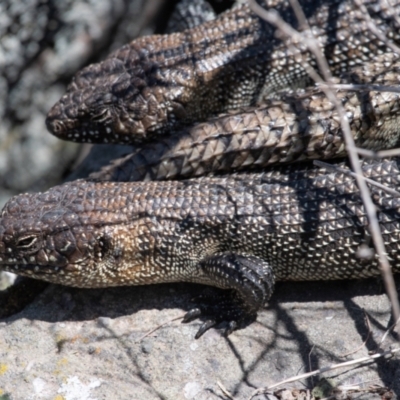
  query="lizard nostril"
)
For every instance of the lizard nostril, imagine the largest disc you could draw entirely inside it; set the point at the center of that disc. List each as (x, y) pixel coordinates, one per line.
(54, 126)
(54, 119)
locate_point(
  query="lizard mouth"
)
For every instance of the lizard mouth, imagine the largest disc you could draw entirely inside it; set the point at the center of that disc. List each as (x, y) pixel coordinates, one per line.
(71, 130)
(30, 269)
(96, 131)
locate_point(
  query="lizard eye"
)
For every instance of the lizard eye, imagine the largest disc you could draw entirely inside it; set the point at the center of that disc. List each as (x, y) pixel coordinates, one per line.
(26, 242)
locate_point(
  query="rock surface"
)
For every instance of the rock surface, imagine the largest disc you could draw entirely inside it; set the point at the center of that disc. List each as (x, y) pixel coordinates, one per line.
(42, 44)
(88, 344)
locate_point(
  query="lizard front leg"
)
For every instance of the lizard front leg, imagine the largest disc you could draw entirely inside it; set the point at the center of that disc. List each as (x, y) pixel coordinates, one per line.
(250, 281)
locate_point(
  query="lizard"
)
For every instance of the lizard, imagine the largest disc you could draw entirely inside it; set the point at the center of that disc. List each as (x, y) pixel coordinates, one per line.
(239, 232)
(251, 299)
(160, 82)
(296, 127)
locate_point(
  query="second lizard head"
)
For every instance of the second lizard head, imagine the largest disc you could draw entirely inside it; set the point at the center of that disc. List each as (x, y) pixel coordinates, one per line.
(125, 98)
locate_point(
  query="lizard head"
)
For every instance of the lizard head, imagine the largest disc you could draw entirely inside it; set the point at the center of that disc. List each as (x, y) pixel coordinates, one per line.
(119, 100)
(40, 240)
(69, 235)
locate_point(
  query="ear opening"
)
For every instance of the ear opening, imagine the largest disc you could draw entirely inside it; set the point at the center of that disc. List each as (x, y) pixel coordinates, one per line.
(104, 243)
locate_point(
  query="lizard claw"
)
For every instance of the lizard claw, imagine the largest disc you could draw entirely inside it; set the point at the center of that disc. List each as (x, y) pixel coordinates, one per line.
(192, 314)
(233, 325)
(218, 308)
(205, 326)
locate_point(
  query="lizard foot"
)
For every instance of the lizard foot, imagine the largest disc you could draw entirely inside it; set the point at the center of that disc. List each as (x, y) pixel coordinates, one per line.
(226, 307)
(249, 281)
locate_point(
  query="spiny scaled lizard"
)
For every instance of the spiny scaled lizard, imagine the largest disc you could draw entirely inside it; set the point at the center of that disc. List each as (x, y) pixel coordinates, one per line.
(240, 232)
(158, 82)
(297, 127)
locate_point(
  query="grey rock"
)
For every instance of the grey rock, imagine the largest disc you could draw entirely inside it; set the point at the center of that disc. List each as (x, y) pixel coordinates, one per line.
(42, 45)
(96, 349)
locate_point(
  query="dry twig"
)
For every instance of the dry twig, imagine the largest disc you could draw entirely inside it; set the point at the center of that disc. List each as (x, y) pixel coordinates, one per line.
(159, 326)
(363, 343)
(378, 154)
(374, 29)
(336, 168)
(388, 331)
(367, 87)
(323, 370)
(225, 390)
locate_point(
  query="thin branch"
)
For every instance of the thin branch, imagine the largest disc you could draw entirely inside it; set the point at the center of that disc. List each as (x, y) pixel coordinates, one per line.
(391, 11)
(273, 17)
(365, 341)
(309, 362)
(353, 389)
(336, 168)
(158, 327)
(323, 370)
(378, 154)
(387, 332)
(225, 390)
(389, 153)
(374, 29)
(362, 87)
